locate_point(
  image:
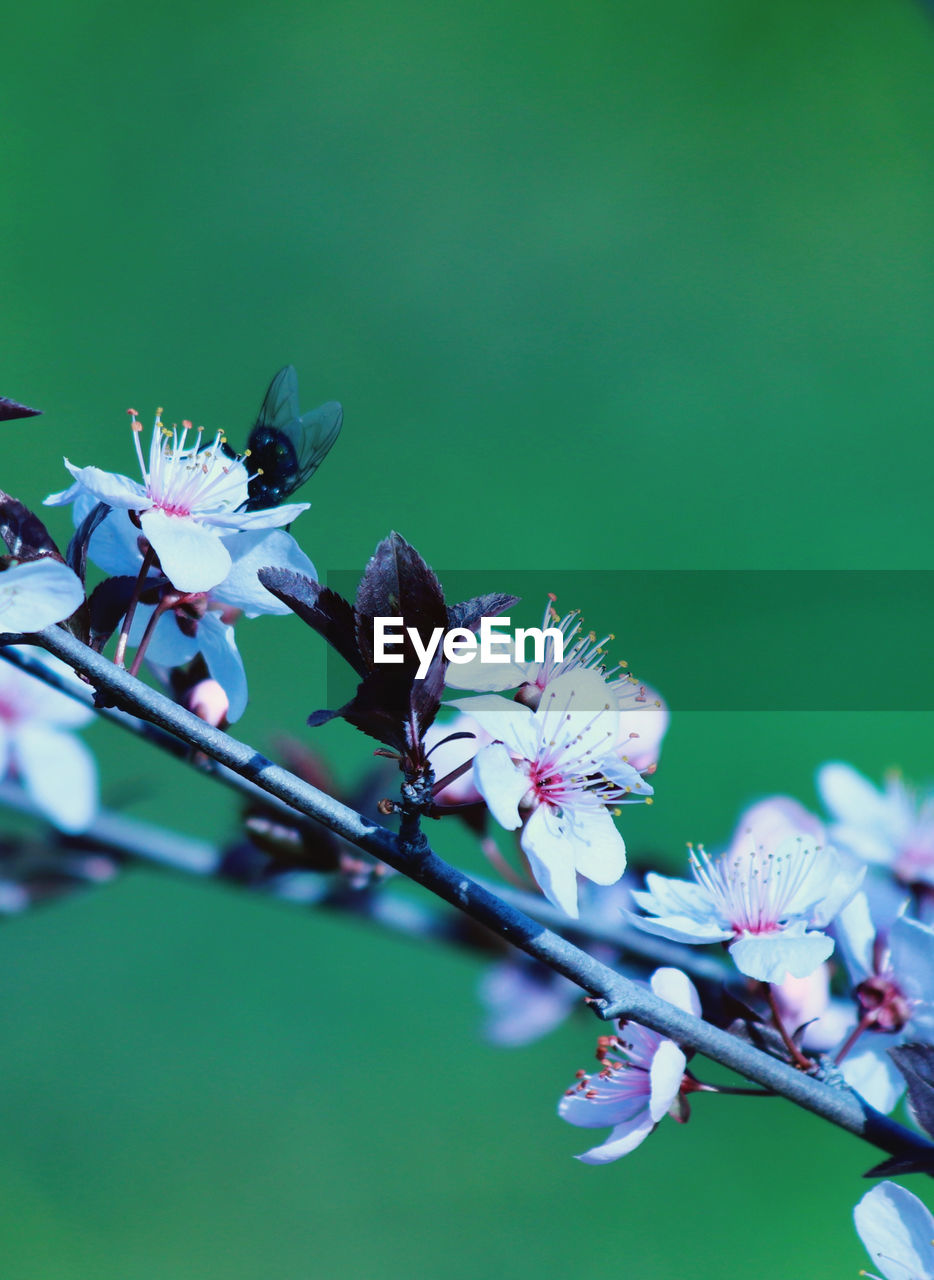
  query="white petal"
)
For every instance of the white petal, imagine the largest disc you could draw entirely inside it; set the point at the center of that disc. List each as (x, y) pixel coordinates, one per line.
(504, 720)
(848, 795)
(912, 946)
(250, 552)
(665, 1074)
(63, 497)
(625, 776)
(114, 544)
(624, 1138)
(110, 487)
(545, 843)
(768, 957)
(36, 593)
(268, 518)
(582, 705)
(668, 895)
(772, 821)
(485, 677)
(678, 989)
(681, 928)
(501, 784)
(224, 662)
(169, 646)
(646, 716)
(624, 1096)
(869, 1070)
(598, 849)
(855, 934)
(897, 1231)
(193, 557)
(822, 868)
(843, 875)
(5, 750)
(37, 700)
(59, 773)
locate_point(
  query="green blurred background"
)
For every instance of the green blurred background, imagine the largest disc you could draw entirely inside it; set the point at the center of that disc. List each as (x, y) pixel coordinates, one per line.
(601, 287)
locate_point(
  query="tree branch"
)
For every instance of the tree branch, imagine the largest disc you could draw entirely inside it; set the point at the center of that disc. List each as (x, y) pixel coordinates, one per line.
(614, 995)
(645, 947)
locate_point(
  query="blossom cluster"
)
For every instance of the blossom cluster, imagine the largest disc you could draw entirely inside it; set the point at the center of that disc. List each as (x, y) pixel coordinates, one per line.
(821, 926)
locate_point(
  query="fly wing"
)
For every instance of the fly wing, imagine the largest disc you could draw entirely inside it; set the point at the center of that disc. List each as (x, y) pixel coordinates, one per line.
(280, 406)
(318, 429)
(286, 446)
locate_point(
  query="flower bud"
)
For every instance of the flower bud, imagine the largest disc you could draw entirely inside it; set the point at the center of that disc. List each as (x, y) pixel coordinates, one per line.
(208, 700)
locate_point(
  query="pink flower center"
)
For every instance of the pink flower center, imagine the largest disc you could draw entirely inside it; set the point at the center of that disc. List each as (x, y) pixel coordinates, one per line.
(755, 891)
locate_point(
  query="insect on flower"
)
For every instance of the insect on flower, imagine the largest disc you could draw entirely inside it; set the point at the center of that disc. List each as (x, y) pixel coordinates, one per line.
(286, 446)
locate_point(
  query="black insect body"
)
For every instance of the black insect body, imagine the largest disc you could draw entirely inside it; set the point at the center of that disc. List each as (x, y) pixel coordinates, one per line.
(287, 446)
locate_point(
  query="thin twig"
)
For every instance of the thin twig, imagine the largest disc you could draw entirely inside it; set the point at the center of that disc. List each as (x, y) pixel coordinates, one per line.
(644, 947)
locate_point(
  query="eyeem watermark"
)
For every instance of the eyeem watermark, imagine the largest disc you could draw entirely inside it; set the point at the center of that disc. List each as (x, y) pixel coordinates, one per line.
(460, 644)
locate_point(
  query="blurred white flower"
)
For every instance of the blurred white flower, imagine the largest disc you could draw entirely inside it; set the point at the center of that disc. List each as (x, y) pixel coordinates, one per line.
(36, 593)
(892, 973)
(893, 828)
(38, 749)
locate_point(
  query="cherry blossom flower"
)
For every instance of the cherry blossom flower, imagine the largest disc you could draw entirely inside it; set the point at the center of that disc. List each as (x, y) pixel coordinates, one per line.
(898, 1232)
(553, 772)
(892, 973)
(634, 1090)
(189, 500)
(892, 828)
(38, 749)
(643, 717)
(769, 896)
(36, 593)
(201, 621)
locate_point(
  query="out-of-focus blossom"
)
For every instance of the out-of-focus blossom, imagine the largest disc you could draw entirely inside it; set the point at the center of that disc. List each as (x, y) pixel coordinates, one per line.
(892, 973)
(553, 772)
(643, 717)
(38, 749)
(36, 593)
(522, 999)
(639, 1081)
(769, 896)
(189, 500)
(893, 828)
(807, 1002)
(898, 1232)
